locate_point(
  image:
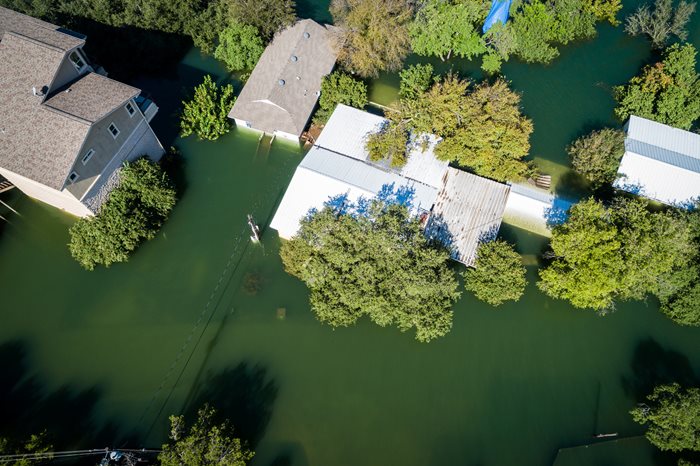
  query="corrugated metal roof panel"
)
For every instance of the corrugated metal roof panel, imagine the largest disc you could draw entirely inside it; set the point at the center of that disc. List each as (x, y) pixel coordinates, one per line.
(364, 175)
(468, 210)
(660, 162)
(664, 136)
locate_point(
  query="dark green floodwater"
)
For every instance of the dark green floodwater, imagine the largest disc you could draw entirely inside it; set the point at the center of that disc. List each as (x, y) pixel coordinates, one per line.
(193, 316)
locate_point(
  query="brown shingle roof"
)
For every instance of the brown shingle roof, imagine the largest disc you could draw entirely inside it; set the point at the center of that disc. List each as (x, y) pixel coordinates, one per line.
(39, 139)
(283, 88)
(92, 97)
(34, 142)
(40, 31)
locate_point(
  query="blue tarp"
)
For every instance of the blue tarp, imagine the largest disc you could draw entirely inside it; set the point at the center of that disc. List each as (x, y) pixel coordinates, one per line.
(499, 12)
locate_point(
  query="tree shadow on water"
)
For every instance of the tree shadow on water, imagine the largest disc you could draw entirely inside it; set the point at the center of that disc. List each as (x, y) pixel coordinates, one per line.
(654, 365)
(28, 407)
(244, 395)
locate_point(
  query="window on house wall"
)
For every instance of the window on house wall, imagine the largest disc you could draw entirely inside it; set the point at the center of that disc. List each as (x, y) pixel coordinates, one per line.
(77, 60)
(113, 130)
(130, 109)
(73, 177)
(88, 156)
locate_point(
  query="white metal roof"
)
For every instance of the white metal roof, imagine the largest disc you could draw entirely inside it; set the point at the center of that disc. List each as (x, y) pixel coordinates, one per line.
(346, 133)
(660, 162)
(324, 174)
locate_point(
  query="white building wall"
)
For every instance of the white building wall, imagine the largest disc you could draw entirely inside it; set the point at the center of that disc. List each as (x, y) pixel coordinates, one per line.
(63, 200)
(308, 189)
(657, 180)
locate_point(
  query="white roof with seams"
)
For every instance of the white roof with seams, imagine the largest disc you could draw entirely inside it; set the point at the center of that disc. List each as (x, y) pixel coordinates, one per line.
(660, 162)
(465, 209)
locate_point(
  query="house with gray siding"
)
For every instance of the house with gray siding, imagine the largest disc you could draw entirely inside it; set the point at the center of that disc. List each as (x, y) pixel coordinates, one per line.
(65, 130)
(281, 92)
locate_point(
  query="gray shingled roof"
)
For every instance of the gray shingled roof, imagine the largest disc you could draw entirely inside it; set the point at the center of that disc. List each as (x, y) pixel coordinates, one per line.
(38, 140)
(40, 31)
(92, 97)
(283, 88)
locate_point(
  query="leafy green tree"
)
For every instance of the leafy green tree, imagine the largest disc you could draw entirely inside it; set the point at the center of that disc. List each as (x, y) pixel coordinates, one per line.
(588, 264)
(377, 264)
(239, 47)
(482, 129)
(206, 115)
(373, 35)
(683, 307)
(339, 88)
(535, 28)
(134, 212)
(498, 274)
(415, 80)
(389, 143)
(267, 16)
(442, 28)
(206, 443)
(661, 21)
(605, 10)
(493, 136)
(597, 155)
(539, 26)
(673, 416)
(623, 252)
(667, 92)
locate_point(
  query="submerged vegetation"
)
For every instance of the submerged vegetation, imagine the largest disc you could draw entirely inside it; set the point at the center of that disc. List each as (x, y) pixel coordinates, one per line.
(239, 47)
(205, 443)
(597, 155)
(661, 21)
(133, 213)
(673, 416)
(481, 125)
(498, 274)
(372, 259)
(206, 114)
(339, 88)
(625, 251)
(667, 92)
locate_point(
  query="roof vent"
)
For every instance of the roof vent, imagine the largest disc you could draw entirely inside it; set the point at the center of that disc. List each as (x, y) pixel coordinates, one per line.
(281, 82)
(294, 58)
(306, 35)
(318, 93)
(37, 92)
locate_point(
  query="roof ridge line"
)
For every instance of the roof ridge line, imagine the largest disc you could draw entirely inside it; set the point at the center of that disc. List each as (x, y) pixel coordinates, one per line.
(66, 114)
(36, 41)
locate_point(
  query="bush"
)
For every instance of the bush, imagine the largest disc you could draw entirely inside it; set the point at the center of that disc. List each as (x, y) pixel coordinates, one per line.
(597, 155)
(239, 47)
(134, 212)
(206, 115)
(498, 274)
(339, 88)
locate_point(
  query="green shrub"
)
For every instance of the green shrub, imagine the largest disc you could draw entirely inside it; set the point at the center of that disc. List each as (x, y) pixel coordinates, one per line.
(498, 274)
(206, 115)
(339, 88)
(239, 47)
(134, 212)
